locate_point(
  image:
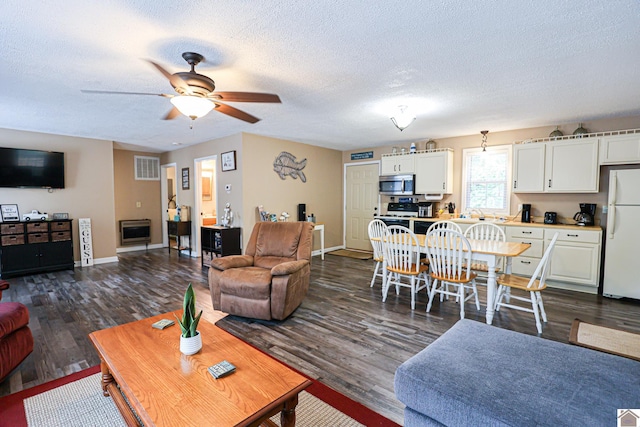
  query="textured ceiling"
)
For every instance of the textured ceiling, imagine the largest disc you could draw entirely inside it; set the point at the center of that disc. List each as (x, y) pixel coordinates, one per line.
(339, 66)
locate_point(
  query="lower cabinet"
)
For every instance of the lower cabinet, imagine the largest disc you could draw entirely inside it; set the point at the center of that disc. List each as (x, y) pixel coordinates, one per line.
(35, 248)
(575, 261)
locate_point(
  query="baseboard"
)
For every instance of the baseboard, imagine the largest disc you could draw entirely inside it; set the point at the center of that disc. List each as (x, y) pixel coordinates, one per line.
(326, 250)
(138, 248)
(97, 261)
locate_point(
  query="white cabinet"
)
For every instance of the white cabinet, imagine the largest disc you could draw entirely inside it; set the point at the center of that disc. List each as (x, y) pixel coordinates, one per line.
(572, 166)
(620, 149)
(396, 164)
(575, 261)
(566, 166)
(434, 172)
(528, 168)
(576, 257)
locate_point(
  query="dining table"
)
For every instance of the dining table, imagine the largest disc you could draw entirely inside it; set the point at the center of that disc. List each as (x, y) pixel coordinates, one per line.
(489, 251)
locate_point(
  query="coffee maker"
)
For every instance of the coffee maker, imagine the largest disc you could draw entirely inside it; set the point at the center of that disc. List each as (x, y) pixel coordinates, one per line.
(587, 214)
(526, 213)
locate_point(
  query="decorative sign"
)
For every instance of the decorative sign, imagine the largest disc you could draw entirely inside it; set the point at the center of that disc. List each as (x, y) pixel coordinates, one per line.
(228, 160)
(86, 246)
(362, 156)
(185, 178)
(10, 213)
(285, 164)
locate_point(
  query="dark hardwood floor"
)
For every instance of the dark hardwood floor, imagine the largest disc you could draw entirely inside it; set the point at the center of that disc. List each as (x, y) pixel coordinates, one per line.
(342, 334)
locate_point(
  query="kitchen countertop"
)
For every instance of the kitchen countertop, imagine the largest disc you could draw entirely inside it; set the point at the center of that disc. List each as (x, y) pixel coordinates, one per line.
(512, 223)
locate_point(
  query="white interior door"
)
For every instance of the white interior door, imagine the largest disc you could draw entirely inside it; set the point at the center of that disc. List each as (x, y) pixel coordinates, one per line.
(361, 201)
(205, 197)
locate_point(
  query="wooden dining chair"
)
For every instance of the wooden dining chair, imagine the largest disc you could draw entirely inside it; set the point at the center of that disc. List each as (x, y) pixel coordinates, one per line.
(485, 231)
(402, 259)
(376, 230)
(440, 224)
(533, 286)
(449, 255)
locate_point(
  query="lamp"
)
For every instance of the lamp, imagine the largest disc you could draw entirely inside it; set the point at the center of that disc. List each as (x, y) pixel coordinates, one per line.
(484, 140)
(192, 106)
(403, 118)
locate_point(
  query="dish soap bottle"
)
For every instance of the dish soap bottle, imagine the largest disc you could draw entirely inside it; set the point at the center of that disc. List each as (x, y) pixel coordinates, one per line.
(413, 148)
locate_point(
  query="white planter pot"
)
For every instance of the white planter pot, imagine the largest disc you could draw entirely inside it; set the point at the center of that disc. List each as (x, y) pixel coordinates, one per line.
(192, 345)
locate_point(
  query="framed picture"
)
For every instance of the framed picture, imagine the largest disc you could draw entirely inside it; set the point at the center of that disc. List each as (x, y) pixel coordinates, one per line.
(185, 178)
(10, 213)
(228, 161)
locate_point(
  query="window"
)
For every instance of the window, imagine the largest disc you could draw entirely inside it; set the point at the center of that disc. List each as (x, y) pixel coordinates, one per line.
(486, 179)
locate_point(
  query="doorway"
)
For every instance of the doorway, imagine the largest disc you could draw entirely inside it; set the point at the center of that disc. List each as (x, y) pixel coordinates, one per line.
(361, 203)
(205, 205)
(169, 194)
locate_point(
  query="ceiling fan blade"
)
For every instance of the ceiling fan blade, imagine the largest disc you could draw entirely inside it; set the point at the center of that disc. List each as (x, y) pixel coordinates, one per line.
(245, 97)
(172, 114)
(109, 92)
(176, 81)
(234, 112)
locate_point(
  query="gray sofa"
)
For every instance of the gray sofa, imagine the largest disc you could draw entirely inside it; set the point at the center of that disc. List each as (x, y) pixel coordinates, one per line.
(481, 375)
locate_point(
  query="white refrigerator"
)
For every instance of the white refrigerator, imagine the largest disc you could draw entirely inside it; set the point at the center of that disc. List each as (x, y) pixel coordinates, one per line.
(623, 235)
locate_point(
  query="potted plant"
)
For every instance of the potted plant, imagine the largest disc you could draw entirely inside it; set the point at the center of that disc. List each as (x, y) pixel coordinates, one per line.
(190, 339)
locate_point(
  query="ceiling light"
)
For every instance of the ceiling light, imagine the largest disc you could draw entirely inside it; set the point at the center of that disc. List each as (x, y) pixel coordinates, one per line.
(403, 117)
(192, 106)
(484, 139)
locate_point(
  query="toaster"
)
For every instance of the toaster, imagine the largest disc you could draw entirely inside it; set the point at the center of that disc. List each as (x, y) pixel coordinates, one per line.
(550, 218)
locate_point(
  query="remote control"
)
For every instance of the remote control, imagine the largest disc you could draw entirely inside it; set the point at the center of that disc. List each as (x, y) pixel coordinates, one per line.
(163, 323)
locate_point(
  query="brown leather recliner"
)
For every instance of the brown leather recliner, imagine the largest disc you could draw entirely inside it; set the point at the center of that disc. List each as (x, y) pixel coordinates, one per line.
(271, 279)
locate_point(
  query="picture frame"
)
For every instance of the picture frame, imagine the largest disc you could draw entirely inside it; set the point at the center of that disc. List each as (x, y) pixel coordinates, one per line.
(185, 178)
(10, 213)
(228, 160)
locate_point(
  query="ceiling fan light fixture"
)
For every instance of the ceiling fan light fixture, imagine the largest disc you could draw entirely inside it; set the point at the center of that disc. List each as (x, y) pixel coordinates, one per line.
(193, 107)
(403, 118)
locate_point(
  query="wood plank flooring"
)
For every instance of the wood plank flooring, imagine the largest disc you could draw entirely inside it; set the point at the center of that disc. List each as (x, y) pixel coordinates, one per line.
(342, 334)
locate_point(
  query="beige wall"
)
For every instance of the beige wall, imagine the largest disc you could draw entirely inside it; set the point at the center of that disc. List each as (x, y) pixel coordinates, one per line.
(564, 204)
(129, 191)
(255, 183)
(322, 192)
(89, 187)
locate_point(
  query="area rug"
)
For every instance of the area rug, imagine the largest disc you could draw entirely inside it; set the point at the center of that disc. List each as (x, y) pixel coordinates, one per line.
(608, 340)
(77, 400)
(352, 254)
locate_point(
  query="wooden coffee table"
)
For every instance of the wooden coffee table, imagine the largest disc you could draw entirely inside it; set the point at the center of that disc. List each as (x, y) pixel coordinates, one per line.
(166, 388)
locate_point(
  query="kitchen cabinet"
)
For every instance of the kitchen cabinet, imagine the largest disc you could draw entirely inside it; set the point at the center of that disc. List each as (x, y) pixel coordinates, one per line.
(576, 257)
(571, 166)
(528, 168)
(35, 247)
(396, 164)
(217, 241)
(434, 172)
(620, 149)
(566, 166)
(526, 263)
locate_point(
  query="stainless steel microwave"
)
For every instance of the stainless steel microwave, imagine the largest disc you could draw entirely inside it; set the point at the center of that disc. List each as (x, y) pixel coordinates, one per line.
(397, 185)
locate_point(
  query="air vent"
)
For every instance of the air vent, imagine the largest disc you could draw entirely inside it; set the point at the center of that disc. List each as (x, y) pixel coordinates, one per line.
(147, 168)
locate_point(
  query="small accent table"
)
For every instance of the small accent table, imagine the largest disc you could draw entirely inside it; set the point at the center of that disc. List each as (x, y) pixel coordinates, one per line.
(320, 227)
(178, 229)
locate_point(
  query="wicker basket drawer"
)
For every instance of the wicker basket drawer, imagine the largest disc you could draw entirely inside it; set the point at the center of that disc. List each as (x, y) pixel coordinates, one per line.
(13, 240)
(60, 226)
(60, 236)
(11, 228)
(38, 238)
(37, 227)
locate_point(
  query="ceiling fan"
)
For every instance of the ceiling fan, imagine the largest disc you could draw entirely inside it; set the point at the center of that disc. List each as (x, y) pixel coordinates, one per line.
(195, 94)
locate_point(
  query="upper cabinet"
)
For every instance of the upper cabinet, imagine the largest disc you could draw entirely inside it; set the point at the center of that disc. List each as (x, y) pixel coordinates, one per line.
(571, 166)
(567, 166)
(396, 164)
(528, 168)
(620, 149)
(434, 172)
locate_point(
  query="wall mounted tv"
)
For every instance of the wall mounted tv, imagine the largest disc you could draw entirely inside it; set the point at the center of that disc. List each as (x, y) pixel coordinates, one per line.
(31, 168)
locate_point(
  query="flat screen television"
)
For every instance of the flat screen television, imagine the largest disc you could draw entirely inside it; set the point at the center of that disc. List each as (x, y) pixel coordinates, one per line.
(31, 168)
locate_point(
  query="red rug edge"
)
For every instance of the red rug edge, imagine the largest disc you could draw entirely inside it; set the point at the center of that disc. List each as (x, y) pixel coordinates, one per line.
(12, 409)
(334, 398)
